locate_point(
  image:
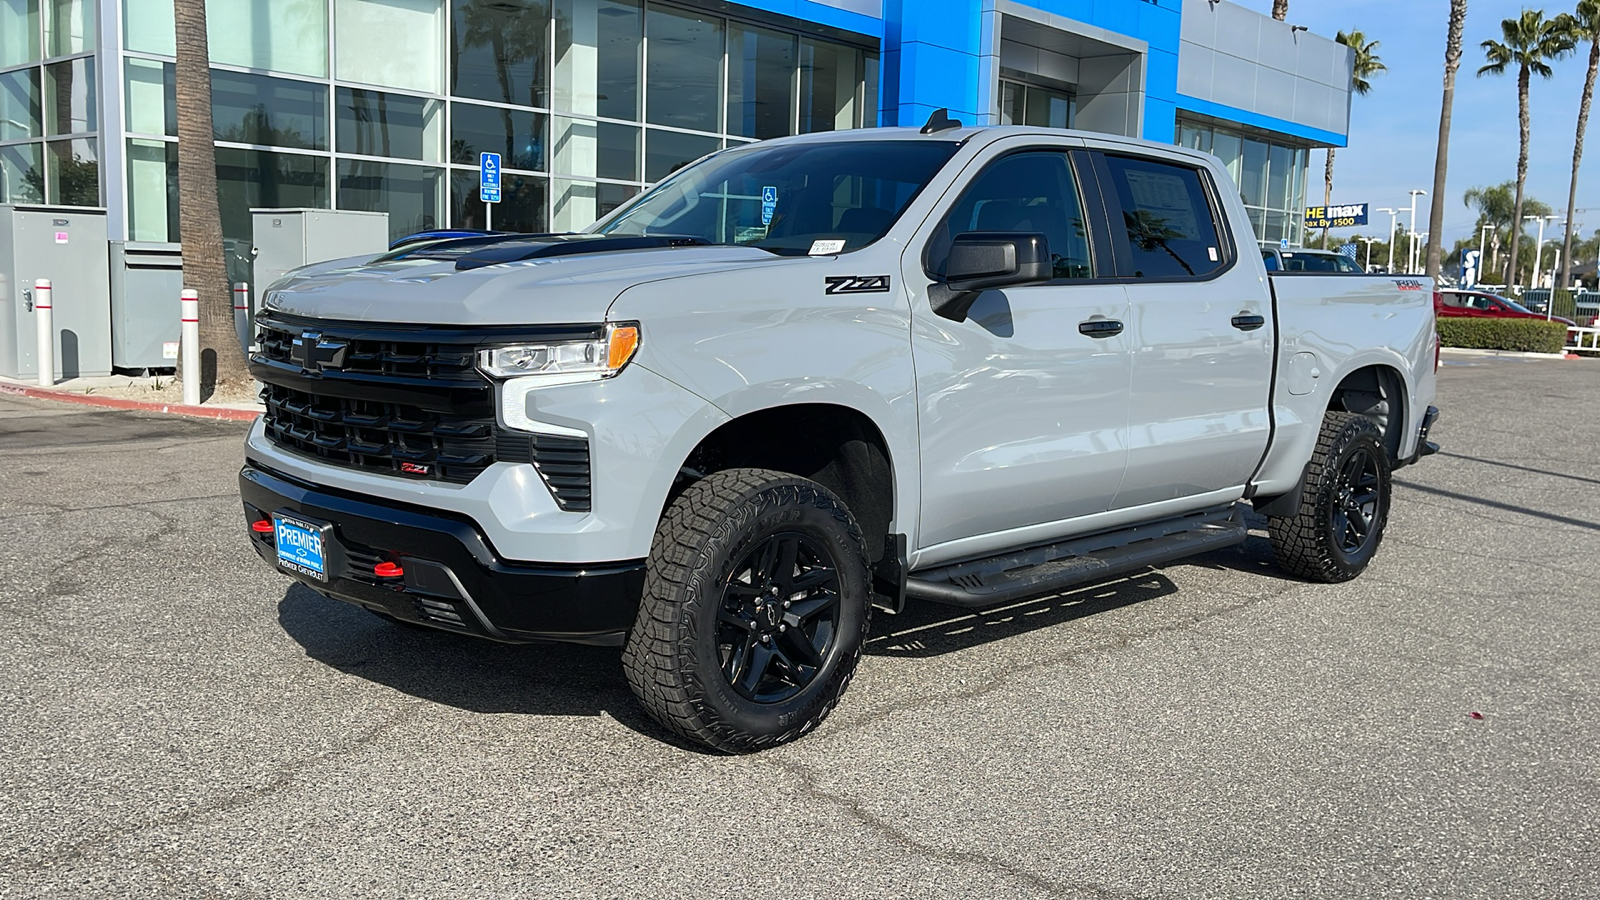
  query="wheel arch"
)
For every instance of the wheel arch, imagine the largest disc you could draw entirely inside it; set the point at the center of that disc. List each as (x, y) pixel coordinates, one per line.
(1379, 392)
(837, 446)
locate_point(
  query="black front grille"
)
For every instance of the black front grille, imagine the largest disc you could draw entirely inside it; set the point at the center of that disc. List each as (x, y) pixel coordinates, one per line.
(403, 355)
(391, 438)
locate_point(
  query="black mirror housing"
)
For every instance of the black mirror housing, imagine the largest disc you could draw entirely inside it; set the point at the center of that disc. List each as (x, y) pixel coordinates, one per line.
(984, 260)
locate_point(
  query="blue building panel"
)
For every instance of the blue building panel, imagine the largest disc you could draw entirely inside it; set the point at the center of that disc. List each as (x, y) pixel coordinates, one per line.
(1256, 120)
(933, 52)
(822, 14)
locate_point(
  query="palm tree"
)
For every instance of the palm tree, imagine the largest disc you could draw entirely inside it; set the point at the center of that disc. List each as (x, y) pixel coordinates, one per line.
(1496, 205)
(199, 217)
(1280, 9)
(1586, 27)
(1441, 159)
(1367, 64)
(1531, 43)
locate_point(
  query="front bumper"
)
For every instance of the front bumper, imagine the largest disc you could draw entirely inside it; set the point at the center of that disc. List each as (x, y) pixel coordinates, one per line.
(453, 578)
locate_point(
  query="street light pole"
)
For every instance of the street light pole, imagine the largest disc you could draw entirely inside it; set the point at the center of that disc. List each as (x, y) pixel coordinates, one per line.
(1370, 242)
(1394, 215)
(1412, 260)
(1538, 253)
(1482, 233)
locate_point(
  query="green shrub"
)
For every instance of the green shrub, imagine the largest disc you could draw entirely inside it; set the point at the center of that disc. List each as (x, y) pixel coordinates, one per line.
(1530, 335)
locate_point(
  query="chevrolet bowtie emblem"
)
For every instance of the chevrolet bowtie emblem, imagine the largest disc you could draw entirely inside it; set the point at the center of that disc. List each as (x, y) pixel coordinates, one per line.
(315, 354)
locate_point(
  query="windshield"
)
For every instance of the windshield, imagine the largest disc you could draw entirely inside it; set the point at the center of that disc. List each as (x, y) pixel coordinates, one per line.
(1517, 306)
(790, 199)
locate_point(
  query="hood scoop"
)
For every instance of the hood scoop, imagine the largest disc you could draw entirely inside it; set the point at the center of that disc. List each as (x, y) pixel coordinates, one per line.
(478, 252)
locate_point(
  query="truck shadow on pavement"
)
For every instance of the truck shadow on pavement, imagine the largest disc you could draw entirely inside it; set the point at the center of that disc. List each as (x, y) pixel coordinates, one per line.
(573, 680)
(464, 672)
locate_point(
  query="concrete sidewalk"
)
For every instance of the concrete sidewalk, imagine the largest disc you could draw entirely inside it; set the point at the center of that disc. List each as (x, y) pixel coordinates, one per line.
(124, 392)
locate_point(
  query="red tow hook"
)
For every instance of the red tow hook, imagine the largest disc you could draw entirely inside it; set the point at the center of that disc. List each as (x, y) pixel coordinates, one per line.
(261, 526)
(388, 570)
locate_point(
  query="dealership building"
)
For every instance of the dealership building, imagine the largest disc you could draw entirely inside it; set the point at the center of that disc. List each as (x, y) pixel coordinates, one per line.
(385, 105)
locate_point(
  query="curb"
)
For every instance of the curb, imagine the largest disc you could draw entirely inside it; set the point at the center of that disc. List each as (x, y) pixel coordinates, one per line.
(178, 409)
(1512, 354)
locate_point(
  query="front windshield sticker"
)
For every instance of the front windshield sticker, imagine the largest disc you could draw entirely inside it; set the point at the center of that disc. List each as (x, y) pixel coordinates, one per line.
(823, 248)
(769, 204)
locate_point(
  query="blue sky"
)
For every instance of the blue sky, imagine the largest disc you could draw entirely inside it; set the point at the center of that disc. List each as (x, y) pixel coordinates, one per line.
(1394, 129)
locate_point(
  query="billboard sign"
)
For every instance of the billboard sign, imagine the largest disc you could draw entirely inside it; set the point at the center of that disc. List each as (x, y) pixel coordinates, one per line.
(1336, 216)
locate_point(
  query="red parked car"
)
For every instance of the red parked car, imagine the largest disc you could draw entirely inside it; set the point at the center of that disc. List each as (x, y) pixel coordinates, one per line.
(1483, 305)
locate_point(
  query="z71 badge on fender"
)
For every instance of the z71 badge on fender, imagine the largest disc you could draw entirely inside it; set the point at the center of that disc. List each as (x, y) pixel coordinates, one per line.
(857, 284)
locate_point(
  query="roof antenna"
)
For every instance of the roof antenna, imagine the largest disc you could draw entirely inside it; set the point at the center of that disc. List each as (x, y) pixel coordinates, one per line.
(940, 121)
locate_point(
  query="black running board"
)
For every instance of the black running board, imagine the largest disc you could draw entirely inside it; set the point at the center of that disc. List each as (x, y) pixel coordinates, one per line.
(1055, 567)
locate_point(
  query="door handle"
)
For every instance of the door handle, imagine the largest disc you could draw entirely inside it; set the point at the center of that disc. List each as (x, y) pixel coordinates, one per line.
(1248, 321)
(1100, 328)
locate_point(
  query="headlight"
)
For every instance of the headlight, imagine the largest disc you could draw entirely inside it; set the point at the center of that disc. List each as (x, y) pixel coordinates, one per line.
(600, 358)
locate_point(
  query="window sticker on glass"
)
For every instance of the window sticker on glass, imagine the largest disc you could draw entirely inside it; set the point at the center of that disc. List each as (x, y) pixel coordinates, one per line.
(824, 248)
(1212, 252)
(769, 204)
(1164, 194)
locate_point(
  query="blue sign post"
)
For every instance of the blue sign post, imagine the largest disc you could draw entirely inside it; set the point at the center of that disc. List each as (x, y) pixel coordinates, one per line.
(489, 186)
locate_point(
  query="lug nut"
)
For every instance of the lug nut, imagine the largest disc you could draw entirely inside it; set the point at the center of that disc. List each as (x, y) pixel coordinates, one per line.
(783, 627)
(786, 604)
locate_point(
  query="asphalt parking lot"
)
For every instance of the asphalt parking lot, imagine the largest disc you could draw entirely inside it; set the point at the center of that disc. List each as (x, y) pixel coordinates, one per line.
(179, 721)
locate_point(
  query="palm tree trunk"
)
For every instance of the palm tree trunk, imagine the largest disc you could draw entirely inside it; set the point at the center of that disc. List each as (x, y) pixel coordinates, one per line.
(1441, 159)
(1280, 9)
(1577, 158)
(1327, 193)
(1522, 176)
(199, 217)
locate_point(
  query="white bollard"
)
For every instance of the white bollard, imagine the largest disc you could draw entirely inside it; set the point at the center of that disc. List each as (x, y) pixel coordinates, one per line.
(241, 314)
(44, 319)
(190, 347)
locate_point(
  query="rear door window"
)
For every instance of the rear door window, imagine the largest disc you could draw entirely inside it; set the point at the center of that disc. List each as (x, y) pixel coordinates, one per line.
(1169, 226)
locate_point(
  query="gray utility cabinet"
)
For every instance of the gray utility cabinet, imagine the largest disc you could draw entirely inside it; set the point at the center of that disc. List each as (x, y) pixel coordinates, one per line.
(146, 288)
(67, 246)
(286, 239)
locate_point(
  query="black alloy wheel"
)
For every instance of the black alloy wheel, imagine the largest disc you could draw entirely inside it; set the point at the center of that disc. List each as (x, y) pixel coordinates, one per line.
(1355, 506)
(1344, 503)
(779, 617)
(755, 609)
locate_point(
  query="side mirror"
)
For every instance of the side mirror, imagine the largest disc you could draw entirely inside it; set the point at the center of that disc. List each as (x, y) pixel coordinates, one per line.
(983, 260)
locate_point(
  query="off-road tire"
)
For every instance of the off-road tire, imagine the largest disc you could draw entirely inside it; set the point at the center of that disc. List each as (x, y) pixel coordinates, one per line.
(1306, 544)
(672, 659)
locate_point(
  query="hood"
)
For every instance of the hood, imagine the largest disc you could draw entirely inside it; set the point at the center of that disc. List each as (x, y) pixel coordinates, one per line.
(433, 291)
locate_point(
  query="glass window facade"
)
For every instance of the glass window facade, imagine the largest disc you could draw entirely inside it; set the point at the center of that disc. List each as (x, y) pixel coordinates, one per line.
(1269, 171)
(385, 105)
(19, 32)
(392, 43)
(260, 109)
(500, 51)
(49, 103)
(280, 35)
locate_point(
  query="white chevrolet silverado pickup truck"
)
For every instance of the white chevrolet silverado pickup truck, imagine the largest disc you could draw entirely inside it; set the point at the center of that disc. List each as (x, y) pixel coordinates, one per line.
(808, 377)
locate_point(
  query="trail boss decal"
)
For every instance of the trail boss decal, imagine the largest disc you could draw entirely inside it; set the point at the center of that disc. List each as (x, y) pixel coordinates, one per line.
(1408, 285)
(857, 284)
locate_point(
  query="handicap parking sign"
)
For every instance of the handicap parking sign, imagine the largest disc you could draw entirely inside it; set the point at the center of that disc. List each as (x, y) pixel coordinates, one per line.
(489, 177)
(769, 204)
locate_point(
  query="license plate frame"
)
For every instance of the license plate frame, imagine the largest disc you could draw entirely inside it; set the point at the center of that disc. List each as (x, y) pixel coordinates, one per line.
(302, 546)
